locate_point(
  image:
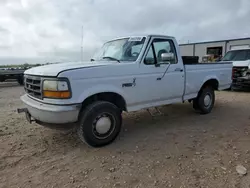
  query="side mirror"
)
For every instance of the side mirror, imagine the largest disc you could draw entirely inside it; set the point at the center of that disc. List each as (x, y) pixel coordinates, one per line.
(167, 57)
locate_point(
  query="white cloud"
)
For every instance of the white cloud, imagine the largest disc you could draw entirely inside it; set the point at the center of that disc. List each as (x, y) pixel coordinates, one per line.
(50, 30)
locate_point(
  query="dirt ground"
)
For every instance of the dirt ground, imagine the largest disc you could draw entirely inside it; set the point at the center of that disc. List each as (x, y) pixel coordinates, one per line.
(178, 149)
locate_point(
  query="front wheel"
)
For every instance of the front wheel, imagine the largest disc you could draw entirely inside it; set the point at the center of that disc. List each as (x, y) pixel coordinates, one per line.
(100, 123)
(205, 100)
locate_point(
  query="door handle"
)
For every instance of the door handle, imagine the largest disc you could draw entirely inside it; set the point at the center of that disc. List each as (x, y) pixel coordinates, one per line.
(179, 70)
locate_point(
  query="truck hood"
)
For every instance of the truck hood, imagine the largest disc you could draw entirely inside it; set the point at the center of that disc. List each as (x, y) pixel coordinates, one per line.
(55, 69)
(241, 63)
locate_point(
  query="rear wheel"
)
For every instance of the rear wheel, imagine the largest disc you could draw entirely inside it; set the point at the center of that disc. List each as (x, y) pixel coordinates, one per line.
(100, 123)
(205, 100)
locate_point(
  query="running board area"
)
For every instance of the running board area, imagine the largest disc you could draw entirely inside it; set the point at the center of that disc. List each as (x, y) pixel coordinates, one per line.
(154, 112)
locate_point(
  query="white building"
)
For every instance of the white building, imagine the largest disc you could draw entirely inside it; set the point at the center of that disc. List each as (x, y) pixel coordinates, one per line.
(218, 48)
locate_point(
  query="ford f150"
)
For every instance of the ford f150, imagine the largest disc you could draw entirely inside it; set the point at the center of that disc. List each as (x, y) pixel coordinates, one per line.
(126, 74)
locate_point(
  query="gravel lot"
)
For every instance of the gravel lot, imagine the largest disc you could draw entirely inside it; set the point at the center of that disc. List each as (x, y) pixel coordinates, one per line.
(178, 149)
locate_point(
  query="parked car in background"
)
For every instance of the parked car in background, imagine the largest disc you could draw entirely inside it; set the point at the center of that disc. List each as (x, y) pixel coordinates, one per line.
(241, 67)
(12, 74)
(126, 74)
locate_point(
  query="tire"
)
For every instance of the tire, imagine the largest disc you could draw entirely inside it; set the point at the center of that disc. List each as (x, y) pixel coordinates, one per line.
(20, 81)
(100, 123)
(195, 105)
(204, 103)
(2, 78)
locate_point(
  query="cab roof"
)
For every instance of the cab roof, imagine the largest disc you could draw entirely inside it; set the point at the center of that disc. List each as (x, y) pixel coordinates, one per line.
(142, 35)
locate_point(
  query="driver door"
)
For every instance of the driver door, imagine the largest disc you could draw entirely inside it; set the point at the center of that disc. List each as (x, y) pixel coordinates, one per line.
(160, 81)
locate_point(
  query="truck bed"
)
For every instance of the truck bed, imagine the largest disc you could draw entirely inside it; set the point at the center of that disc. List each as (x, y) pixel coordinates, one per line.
(195, 72)
(12, 72)
(16, 74)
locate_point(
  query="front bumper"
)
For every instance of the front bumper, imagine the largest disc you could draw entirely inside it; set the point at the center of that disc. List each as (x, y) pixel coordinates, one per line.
(50, 114)
(242, 82)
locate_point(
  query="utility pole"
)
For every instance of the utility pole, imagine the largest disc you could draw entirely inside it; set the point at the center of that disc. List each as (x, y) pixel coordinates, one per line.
(82, 45)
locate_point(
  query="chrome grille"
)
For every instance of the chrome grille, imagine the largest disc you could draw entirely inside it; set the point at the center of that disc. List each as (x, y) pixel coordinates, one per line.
(32, 86)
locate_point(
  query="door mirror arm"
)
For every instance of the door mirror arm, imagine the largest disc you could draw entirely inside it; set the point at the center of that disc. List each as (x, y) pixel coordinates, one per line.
(157, 64)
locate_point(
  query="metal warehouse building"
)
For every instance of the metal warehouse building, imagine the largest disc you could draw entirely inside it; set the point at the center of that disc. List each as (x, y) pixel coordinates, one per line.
(217, 48)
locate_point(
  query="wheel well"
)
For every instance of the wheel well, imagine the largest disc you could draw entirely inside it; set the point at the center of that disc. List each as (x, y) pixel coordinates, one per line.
(212, 82)
(114, 98)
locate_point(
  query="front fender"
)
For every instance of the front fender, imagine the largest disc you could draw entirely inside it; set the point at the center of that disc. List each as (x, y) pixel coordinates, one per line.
(101, 89)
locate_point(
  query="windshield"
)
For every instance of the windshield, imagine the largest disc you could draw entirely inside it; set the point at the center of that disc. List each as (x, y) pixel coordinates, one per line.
(126, 49)
(237, 55)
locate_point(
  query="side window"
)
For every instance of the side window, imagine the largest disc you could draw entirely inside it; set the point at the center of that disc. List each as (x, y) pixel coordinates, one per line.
(164, 46)
(157, 48)
(149, 59)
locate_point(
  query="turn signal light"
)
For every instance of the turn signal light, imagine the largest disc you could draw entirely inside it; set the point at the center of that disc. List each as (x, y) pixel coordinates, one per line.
(56, 94)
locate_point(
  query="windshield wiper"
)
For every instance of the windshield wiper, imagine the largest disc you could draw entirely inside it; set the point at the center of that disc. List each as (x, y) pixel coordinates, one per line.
(111, 58)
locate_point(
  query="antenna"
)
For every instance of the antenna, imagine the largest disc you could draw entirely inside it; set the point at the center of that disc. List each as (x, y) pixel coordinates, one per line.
(82, 45)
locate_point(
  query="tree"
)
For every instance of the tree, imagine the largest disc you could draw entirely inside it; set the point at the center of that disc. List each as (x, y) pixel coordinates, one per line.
(25, 65)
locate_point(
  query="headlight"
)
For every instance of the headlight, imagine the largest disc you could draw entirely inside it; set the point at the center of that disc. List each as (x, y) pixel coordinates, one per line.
(245, 72)
(248, 72)
(56, 89)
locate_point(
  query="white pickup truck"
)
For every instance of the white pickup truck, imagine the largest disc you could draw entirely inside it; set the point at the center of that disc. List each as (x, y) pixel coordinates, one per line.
(241, 67)
(126, 74)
